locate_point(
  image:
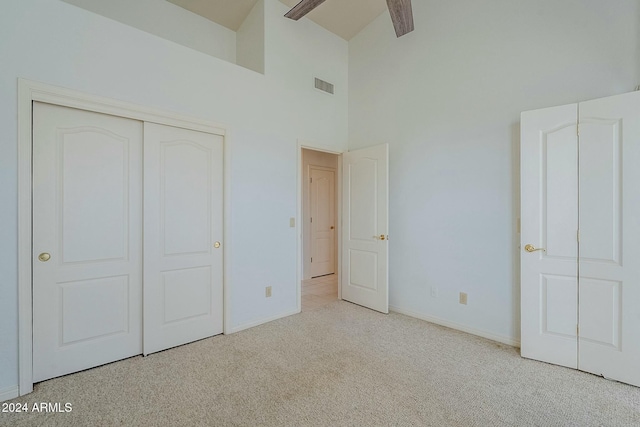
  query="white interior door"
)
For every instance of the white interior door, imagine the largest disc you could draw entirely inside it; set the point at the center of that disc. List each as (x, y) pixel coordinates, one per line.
(365, 222)
(549, 218)
(183, 184)
(609, 237)
(323, 211)
(87, 240)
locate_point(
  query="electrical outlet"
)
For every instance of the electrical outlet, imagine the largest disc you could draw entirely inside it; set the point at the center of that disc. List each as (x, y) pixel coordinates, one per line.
(463, 298)
(267, 292)
(434, 292)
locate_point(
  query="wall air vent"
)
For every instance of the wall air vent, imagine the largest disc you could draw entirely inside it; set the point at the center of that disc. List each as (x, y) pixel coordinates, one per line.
(324, 86)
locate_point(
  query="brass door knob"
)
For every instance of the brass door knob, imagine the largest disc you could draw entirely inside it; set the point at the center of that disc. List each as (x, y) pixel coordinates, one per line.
(531, 248)
(381, 237)
(332, 227)
(44, 257)
(216, 245)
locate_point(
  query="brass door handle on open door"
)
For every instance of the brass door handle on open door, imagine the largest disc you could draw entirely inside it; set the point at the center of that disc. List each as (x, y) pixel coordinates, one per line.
(381, 237)
(44, 257)
(531, 248)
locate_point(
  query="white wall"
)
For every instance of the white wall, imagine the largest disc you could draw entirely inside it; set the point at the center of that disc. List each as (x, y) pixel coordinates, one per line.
(447, 99)
(164, 19)
(637, 38)
(60, 44)
(250, 40)
(320, 54)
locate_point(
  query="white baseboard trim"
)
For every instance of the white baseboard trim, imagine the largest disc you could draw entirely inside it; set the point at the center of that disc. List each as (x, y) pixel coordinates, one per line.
(473, 331)
(9, 393)
(263, 321)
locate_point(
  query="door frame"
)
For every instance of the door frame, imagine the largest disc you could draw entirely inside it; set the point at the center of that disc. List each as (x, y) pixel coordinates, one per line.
(31, 91)
(307, 145)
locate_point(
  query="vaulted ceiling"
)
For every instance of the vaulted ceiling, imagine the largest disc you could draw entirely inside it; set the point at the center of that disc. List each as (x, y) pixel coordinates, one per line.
(229, 13)
(342, 17)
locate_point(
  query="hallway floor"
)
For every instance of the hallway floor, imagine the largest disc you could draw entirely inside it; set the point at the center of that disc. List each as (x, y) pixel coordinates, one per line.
(319, 291)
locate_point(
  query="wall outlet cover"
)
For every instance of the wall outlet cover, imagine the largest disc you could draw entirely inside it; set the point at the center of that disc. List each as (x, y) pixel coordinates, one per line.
(463, 298)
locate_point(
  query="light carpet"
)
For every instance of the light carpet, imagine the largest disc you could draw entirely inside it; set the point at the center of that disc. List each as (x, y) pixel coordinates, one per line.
(339, 365)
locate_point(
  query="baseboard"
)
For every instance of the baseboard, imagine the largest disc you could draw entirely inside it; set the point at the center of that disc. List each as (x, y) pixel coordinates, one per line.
(9, 393)
(457, 326)
(263, 321)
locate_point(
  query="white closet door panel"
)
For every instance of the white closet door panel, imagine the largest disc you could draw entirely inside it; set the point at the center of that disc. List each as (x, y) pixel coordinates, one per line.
(549, 289)
(183, 221)
(87, 215)
(600, 190)
(609, 244)
(558, 201)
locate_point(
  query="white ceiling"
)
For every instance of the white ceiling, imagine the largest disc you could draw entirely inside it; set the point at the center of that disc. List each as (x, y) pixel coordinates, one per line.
(342, 17)
(229, 13)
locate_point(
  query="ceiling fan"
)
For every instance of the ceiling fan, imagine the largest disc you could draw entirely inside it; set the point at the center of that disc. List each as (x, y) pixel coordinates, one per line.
(400, 11)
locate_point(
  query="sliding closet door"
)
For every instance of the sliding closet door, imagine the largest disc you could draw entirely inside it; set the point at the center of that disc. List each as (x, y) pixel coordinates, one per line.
(610, 237)
(87, 239)
(549, 247)
(182, 236)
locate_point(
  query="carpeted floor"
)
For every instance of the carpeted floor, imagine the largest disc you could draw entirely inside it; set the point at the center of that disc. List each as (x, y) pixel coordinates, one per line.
(338, 365)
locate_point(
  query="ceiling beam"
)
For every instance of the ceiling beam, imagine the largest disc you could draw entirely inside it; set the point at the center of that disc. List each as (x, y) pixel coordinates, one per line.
(401, 15)
(302, 8)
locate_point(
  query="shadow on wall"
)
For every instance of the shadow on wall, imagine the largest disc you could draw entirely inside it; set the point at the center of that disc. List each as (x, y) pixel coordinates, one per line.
(515, 190)
(638, 49)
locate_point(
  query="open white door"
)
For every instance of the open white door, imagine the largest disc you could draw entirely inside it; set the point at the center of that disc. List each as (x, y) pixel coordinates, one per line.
(182, 236)
(609, 230)
(549, 245)
(365, 227)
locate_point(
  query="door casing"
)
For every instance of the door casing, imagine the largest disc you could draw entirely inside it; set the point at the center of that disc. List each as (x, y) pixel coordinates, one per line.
(306, 230)
(300, 240)
(30, 91)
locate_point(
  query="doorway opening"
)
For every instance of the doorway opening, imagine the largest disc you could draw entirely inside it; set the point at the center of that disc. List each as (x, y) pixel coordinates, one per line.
(320, 208)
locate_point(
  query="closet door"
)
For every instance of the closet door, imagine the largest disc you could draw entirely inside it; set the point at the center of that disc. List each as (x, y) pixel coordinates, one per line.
(87, 239)
(609, 343)
(182, 236)
(549, 247)
(323, 220)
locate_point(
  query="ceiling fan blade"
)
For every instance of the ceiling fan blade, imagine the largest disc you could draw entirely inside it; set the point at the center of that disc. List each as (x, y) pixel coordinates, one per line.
(302, 8)
(401, 15)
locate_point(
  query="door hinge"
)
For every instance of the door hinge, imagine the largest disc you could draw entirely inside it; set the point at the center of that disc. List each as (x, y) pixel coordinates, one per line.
(578, 130)
(311, 219)
(311, 180)
(311, 259)
(578, 330)
(578, 236)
